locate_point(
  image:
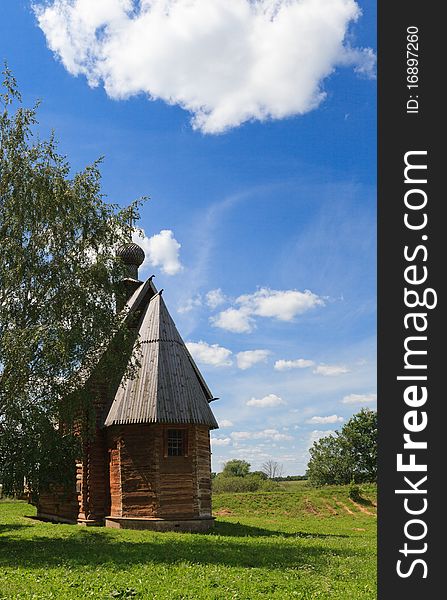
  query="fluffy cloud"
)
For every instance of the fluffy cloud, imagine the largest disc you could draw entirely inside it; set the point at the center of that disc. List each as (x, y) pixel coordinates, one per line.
(225, 61)
(247, 359)
(299, 363)
(162, 250)
(220, 441)
(360, 399)
(232, 319)
(268, 434)
(331, 370)
(215, 298)
(266, 402)
(207, 354)
(326, 420)
(225, 423)
(282, 305)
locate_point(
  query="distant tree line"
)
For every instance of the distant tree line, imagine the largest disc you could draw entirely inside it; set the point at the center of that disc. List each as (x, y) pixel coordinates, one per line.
(237, 477)
(347, 457)
(292, 478)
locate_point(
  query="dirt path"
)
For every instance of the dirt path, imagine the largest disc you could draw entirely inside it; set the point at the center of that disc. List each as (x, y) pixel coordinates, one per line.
(344, 507)
(330, 509)
(363, 509)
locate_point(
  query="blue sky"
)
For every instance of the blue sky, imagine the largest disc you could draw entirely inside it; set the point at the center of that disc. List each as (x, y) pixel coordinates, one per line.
(261, 226)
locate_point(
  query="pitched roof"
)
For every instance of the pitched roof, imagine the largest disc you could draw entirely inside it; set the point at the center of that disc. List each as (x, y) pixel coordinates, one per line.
(167, 387)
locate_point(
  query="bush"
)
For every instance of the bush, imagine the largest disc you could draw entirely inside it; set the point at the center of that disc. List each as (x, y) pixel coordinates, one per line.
(235, 484)
(250, 483)
(355, 492)
(269, 485)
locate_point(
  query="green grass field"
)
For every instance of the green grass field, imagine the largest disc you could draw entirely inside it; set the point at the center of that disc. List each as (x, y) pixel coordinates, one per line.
(301, 543)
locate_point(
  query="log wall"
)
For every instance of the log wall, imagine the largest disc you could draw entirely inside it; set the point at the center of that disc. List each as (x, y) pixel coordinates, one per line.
(146, 483)
(125, 473)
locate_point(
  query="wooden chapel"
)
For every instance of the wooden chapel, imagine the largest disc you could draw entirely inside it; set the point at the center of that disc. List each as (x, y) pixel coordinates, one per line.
(149, 464)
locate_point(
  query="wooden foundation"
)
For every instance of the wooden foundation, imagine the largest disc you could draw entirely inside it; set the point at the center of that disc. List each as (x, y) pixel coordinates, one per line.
(189, 525)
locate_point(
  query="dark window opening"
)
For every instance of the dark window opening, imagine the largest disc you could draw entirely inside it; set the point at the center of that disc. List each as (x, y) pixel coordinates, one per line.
(176, 442)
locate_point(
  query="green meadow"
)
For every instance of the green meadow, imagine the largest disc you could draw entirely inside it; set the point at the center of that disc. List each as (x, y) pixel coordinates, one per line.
(301, 543)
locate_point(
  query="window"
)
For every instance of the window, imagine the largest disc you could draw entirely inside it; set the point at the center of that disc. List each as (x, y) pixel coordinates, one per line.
(177, 442)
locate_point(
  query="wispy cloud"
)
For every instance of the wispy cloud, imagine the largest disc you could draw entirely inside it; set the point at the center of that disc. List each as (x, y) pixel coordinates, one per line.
(326, 420)
(215, 298)
(190, 304)
(299, 363)
(226, 61)
(316, 435)
(360, 399)
(268, 434)
(321, 369)
(331, 370)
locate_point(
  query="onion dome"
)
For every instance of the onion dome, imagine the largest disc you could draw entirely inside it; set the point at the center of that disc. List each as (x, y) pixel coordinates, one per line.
(133, 256)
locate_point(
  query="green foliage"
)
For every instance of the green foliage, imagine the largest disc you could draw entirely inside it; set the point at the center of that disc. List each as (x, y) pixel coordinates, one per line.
(260, 474)
(222, 483)
(355, 492)
(236, 468)
(59, 279)
(267, 546)
(269, 485)
(360, 433)
(330, 462)
(350, 455)
(249, 483)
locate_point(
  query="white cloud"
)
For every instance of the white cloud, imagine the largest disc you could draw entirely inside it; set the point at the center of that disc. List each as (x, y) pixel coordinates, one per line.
(331, 370)
(220, 441)
(215, 298)
(190, 304)
(268, 434)
(316, 436)
(207, 354)
(225, 423)
(326, 420)
(299, 363)
(360, 399)
(282, 305)
(233, 319)
(225, 61)
(162, 250)
(247, 359)
(267, 401)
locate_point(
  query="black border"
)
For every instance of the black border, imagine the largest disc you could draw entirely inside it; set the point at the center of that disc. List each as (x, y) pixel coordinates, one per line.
(398, 133)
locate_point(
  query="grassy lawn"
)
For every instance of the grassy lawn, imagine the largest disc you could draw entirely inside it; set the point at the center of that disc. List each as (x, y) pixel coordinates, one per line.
(302, 544)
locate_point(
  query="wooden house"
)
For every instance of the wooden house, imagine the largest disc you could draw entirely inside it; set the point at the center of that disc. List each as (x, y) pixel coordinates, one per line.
(149, 464)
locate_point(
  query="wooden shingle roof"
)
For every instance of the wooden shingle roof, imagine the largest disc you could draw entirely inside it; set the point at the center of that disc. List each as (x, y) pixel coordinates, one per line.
(167, 387)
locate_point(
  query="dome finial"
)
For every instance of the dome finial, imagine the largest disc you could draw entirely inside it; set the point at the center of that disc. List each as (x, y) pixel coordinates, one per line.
(131, 253)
